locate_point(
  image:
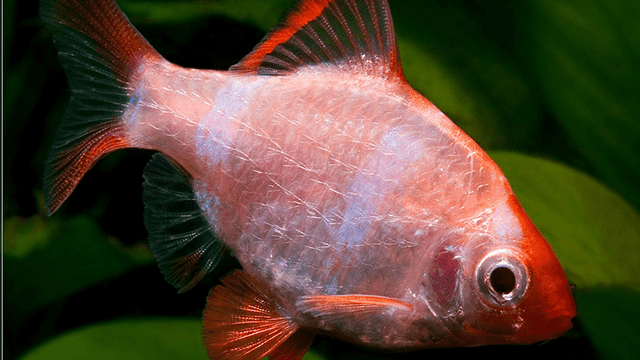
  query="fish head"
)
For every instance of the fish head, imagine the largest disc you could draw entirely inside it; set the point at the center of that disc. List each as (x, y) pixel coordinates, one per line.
(493, 290)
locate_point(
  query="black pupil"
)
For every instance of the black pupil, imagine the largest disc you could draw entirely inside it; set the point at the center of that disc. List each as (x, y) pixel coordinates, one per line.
(503, 281)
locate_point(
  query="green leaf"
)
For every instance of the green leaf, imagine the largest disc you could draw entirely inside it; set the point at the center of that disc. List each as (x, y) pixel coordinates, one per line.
(584, 56)
(611, 315)
(48, 260)
(155, 339)
(596, 236)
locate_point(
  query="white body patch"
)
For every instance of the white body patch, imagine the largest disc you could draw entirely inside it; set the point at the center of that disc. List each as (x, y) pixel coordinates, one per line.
(381, 176)
(220, 125)
(506, 224)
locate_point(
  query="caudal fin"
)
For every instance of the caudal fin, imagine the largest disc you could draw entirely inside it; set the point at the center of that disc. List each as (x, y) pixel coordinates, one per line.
(100, 51)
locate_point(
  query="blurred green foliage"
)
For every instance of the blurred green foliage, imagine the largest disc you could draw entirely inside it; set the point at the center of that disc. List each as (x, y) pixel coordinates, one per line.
(550, 88)
(158, 338)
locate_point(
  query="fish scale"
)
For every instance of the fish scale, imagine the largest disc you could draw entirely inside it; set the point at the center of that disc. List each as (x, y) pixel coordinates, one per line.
(354, 206)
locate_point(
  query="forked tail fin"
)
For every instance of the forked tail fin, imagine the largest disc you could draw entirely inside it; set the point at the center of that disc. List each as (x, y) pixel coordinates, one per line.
(100, 51)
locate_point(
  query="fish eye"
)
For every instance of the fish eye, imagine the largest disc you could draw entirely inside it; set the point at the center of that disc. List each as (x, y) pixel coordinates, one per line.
(502, 279)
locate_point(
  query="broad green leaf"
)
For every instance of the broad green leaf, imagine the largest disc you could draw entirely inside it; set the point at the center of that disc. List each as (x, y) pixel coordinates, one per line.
(47, 260)
(157, 339)
(584, 57)
(610, 314)
(596, 236)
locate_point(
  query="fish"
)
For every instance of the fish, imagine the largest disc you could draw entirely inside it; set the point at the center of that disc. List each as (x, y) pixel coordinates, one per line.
(355, 207)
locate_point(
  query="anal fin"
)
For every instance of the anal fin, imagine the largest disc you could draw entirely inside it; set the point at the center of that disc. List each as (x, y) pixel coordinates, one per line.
(241, 321)
(294, 347)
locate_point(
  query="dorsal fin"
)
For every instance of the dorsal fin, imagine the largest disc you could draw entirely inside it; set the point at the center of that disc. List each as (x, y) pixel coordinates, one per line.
(181, 238)
(356, 35)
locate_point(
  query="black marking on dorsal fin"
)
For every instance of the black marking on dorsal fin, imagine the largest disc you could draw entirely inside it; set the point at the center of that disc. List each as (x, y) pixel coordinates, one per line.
(181, 238)
(356, 35)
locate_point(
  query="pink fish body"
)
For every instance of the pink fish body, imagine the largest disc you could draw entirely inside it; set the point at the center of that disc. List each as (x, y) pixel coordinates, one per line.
(354, 206)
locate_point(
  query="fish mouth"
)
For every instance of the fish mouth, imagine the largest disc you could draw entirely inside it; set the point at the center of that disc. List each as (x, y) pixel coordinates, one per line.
(551, 328)
(540, 331)
(561, 324)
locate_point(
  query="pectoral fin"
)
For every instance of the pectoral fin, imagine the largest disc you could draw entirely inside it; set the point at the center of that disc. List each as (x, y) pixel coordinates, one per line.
(241, 321)
(180, 236)
(340, 307)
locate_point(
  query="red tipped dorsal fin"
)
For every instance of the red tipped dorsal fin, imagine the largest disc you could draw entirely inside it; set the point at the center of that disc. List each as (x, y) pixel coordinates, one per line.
(332, 308)
(354, 35)
(241, 321)
(99, 50)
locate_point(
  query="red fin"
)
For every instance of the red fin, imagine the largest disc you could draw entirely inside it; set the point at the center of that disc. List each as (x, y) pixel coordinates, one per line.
(336, 306)
(356, 35)
(294, 348)
(99, 50)
(102, 22)
(241, 321)
(66, 165)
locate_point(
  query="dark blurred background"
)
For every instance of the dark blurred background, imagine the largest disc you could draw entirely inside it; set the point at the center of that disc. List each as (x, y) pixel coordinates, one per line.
(548, 79)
